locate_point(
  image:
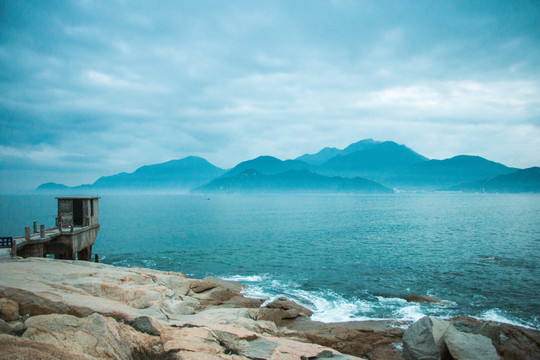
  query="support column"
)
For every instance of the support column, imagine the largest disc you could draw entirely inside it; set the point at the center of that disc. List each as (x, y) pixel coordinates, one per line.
(42, 231)
(35, 227)
(85, 254)
(27, 233)
(14, 248)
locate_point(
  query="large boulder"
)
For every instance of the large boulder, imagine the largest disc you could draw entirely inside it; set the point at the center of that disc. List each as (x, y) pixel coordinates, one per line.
(424, 340)
(465, 346)
(433, 339)
(519, 343)
(95, 335)
(512, 342)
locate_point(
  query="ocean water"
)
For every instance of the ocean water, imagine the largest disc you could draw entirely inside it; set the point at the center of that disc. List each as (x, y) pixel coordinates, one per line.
(345, 257)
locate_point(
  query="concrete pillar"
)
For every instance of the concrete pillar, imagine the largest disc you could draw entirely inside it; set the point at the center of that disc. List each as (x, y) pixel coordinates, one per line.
(42, 231)
(72, 228)
(35, 227)
(14, 248)
(96, 258)
(27, 233)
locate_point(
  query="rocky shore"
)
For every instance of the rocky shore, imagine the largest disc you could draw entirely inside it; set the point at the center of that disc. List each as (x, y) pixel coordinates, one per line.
(59, 309)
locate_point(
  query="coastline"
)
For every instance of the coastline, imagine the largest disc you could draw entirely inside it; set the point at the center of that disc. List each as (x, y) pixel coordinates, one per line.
(90, 310)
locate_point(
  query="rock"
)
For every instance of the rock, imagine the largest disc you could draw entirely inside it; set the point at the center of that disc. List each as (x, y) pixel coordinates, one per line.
(252, 346)
(512, 342)
(471, 325)
(230, 285)
(178, 307)
(214, 296)
(424, 340)
(519, 343)
(373, 339)
(422, 299)
(239, 301)
(464, 346)
(12, 328)
(9, 310)
(199, 286)
(145, 325)
(95, 335)
(16, 348)
(293, 309)
(193, 339)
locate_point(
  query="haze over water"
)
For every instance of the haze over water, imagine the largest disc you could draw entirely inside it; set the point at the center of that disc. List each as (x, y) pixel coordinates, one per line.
(346, 257)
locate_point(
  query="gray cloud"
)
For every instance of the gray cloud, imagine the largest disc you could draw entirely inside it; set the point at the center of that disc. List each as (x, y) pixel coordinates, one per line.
(99, 87)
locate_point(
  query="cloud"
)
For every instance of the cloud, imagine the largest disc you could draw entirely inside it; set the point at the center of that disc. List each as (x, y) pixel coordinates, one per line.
(102, 87)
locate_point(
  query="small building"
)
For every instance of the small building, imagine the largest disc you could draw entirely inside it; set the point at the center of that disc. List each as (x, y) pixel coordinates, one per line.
(73, 236)
(78, 211)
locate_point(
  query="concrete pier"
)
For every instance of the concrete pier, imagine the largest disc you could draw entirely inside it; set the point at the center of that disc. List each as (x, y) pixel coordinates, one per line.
(72, 238)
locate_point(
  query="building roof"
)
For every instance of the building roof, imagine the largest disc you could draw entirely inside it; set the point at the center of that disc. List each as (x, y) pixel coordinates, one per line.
(78, 197)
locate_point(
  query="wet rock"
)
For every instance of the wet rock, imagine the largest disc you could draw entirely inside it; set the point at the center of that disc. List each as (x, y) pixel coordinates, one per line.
(422, 299)
(294, 309)
(519, 343)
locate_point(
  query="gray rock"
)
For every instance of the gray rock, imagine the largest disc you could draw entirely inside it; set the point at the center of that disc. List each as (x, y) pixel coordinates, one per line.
(144, 324)
(463, 346)
(424, 340)
(253, 347)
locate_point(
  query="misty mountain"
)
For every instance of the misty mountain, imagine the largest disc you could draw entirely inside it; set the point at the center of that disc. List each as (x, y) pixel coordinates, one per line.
(434, 174)
(297, 181)
(520, 181)
(327, 153)
(268, 165)
(52, 187)
(183, 174)
(374, 160)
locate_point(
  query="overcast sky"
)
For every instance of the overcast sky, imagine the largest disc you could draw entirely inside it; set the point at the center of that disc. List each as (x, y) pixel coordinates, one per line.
(91, 88)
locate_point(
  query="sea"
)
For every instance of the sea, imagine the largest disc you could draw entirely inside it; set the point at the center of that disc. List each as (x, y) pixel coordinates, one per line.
(346, 257)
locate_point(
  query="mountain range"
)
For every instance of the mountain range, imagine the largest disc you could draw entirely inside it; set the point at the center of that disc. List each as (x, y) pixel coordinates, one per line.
(366, 166)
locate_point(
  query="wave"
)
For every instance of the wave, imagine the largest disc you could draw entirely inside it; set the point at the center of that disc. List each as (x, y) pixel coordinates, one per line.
(330, 307)
(501, 316)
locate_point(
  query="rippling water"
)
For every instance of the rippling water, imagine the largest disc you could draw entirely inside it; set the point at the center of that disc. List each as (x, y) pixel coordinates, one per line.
(346, 257)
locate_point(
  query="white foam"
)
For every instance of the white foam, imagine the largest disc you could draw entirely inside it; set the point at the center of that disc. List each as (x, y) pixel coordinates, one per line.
(244, 278)
(498, 315)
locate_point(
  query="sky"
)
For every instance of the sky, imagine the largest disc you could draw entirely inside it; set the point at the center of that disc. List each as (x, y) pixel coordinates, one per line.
(92, 88)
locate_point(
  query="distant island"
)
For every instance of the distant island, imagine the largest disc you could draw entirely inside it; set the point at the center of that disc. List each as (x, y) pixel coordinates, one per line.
(367, 166)
(298, 181)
